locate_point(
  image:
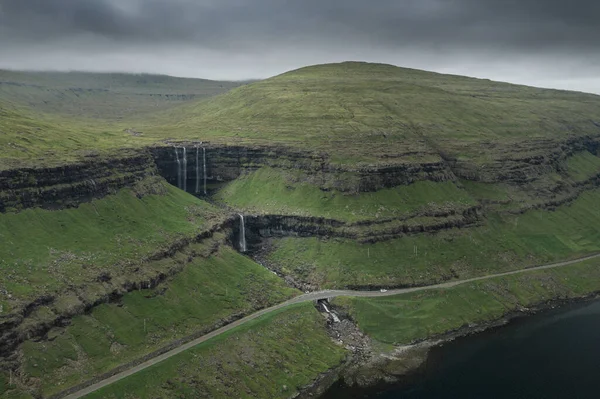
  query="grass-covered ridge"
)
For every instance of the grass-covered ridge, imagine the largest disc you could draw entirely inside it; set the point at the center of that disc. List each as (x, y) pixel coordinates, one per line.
(276, 191)
(406, 318)
(503, 243)
(358, 113)
(205, 292)
(363, 112)
(45, 251)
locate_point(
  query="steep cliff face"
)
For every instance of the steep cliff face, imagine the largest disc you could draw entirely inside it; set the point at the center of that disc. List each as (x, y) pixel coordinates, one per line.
(522, 161)
(226, 163)
(528, 166)
(72, 184)
(260, 227)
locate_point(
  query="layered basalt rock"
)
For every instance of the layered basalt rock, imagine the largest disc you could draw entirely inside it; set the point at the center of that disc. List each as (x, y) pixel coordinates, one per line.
(96, 177)
(71, 184)
(260, 227)
(521, 162)
(226, 163)
(33, 319)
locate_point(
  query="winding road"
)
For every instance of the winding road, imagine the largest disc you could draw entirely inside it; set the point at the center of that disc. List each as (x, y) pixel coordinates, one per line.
(313, 296)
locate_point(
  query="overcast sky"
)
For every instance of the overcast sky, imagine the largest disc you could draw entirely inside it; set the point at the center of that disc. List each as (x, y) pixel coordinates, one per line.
(549, 43)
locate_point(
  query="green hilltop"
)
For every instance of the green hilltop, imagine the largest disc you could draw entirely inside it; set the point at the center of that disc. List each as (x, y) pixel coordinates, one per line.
(358, 112)
(373, 113)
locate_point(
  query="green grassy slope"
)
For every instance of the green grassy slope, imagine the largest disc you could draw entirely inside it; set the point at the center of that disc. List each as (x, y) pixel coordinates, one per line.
(103, 95)
(583, 166)
(373, 112)
(270, 357)
(276, 191)
(502, 243)
(45, 251)
(206, 291)
(403, 319)
(357, 112)
(33, 139)
(49, 118)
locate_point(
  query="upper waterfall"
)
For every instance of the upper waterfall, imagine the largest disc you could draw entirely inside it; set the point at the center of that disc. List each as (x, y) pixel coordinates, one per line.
(178, 168)
(204, 167)
(184, 188)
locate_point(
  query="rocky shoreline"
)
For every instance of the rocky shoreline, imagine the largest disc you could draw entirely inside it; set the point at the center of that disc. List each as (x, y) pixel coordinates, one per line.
(369, 366)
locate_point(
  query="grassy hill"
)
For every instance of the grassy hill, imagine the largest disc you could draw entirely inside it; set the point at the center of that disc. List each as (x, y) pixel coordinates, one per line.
(49, 118)
(356, 112)
(103, 95)
(272, 357)
(374, 176)
(372, 112)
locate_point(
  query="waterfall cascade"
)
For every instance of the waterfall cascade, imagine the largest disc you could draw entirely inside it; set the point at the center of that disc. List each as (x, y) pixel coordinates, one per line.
(204, 167)
(182, 163)
(333, 315)
(197, 171)
(242, 234)
(184, 188)
(178, 168)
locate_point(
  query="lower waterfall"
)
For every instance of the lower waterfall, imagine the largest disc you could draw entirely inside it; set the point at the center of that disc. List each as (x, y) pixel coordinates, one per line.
(242, 234)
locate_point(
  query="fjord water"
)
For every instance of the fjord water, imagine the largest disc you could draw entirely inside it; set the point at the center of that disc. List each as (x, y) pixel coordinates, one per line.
(555, 354)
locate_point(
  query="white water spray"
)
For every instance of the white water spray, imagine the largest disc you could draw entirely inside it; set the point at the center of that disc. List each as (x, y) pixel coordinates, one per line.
(197, 171)
(333, 315)
(204, 167)
(184, 170)
(178, 168)
(242, 234)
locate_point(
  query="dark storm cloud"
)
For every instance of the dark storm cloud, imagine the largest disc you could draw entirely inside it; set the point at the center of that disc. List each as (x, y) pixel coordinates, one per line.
(551, 43)
(510, 24)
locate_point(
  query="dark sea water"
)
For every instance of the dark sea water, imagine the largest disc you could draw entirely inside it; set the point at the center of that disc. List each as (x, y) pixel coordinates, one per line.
(554, 354)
